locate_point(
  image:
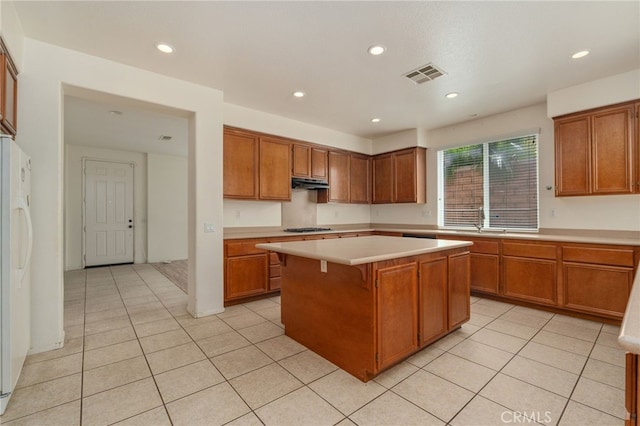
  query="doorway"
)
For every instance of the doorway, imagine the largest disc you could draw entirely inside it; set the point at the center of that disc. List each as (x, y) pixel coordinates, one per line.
(108, 212)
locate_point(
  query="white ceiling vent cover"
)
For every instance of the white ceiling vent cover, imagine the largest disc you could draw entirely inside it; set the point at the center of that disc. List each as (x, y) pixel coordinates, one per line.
(425, 73)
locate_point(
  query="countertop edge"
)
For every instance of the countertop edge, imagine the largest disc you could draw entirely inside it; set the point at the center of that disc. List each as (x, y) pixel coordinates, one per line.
(360, 260)
(629, 337)
(471, 234)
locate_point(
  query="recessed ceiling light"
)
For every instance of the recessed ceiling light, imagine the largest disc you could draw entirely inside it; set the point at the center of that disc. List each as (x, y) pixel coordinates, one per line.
(376, 50)
(299, 94)
(580, 54)
(115, 112)
(375, 120)
(165, 48)
(451, 95)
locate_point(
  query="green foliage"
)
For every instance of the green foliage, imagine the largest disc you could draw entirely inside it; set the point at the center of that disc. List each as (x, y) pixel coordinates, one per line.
(464, 156)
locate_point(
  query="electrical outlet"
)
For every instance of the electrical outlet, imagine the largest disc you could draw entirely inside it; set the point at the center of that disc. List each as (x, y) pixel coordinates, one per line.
(208, 227)
(323, 266)
(237, 214)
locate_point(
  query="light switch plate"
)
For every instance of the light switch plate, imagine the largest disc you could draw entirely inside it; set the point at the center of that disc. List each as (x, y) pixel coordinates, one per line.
(208, 227)
(323, 266)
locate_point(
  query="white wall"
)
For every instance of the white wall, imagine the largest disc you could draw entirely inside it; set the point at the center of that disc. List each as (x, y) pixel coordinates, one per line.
(246, 213)
(605, 91)
(73, 200)
(11, 30)
(167, 224)
(46, 70)
(612, 212)
(259, 121)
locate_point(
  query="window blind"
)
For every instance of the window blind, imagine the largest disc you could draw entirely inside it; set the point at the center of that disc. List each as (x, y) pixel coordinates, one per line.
(490, 185)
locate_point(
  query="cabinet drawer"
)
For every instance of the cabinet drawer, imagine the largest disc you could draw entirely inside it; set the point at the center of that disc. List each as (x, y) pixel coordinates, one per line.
(274, 283)
(273, 258)
(622, 256)
(536, 251)
(274, 271)
(486, 247)
(243, 248)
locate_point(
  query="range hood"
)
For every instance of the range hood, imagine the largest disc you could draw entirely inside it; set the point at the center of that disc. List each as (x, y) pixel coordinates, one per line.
(309, 183)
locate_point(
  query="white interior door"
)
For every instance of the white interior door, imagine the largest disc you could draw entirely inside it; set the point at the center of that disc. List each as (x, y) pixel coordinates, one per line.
(108, 213)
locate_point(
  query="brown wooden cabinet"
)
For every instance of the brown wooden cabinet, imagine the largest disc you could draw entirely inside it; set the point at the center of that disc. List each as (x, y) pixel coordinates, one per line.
(349, 179)
(382, 179)
(459, 309)
(400, 177)
(596, 151)
(256, 167)
(309, 161)
(397, 313)
(433, 299)
(8, 92)
(485, 264)
(275, 166)
(359, 179)
(245, 270)
(632, 389)
(338, 178)
(240, 164)
(597, 279)
(529, 271)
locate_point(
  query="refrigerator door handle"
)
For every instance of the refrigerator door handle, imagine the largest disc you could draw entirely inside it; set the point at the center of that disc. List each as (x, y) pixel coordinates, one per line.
(22, 205)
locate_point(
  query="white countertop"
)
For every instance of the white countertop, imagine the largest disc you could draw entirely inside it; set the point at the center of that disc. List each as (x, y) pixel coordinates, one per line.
(357, 251)
(629, 337)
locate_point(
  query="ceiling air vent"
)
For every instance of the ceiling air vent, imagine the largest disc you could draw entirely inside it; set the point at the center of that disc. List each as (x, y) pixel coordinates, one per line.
(425, 73)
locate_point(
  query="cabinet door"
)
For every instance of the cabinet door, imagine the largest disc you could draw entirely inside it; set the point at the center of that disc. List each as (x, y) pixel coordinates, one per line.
(10, 98)
(359, 178)
(240, 165)
(406, 187)
(485, 273)
(597, 289)
(397, 313)
(573, 156)
(319, 163)
(611, 150)
(275, 169)
(459, 291)
(338, 177)
(301, 160)
(246, 276)
(382, 179)
(434, 320)
(530, 279)
(636, 147)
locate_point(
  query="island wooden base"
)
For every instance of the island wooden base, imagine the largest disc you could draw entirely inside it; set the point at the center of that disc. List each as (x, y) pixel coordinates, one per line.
(370, 317)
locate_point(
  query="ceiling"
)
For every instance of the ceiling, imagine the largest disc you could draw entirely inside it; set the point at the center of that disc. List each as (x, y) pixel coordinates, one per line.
(497, 55)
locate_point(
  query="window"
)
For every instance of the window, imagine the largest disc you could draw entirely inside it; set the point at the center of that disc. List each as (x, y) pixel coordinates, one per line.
(490, 185)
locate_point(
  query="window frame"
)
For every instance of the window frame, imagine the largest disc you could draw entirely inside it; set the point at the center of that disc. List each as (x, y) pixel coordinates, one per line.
(486, 182)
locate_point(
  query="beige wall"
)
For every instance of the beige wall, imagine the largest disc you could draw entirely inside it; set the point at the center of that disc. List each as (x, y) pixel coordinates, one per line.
(167, 224)
(46, 70)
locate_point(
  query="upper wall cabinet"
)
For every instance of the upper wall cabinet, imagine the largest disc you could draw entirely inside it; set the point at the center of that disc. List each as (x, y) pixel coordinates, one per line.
(309, 161)
(8, 92)
(256, 167)
(400, 177)
(275, 166)
(349, 179)
(597, 151)
(240, 164)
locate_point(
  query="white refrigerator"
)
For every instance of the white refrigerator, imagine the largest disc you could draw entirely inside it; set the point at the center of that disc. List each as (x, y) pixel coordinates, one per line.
(16, 235)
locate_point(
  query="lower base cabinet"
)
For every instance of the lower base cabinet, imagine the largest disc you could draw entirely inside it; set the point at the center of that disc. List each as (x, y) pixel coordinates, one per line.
(632, 389)
(531, 280)
(397, 294)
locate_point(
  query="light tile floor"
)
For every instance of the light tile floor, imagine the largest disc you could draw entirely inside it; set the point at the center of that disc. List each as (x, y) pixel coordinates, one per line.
(134, 356)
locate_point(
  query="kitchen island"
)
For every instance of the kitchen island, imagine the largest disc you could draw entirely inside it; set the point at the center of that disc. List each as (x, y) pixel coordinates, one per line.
(367, 303)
